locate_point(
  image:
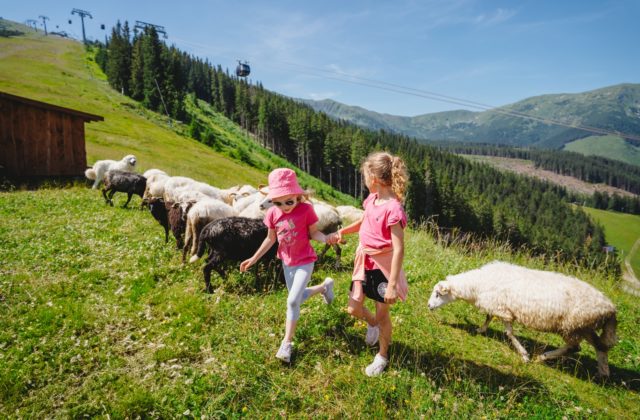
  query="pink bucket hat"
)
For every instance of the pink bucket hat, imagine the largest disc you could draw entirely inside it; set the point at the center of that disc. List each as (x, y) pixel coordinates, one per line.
(283, 181)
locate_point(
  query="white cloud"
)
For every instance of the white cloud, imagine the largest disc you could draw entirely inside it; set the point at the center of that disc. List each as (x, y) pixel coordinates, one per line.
(318, 96)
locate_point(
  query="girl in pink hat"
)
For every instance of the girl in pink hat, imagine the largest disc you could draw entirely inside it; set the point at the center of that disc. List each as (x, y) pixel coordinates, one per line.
(293, 223)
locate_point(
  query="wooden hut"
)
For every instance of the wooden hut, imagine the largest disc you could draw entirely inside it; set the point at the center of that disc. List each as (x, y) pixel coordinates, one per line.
(38, 139)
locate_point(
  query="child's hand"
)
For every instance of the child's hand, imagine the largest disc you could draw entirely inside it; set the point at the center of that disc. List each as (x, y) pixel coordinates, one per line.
(390, 295)
(333, 238)
(244, 265)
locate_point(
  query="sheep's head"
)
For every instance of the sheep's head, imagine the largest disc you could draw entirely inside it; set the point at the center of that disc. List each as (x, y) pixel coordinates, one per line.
(130, 160)
(441, 295)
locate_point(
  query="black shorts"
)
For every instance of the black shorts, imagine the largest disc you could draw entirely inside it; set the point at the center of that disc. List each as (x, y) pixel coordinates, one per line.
(374, 285)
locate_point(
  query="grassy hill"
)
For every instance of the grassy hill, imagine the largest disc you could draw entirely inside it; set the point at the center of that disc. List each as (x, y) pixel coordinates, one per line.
(99, 318)
(612, 147)
(622, 231)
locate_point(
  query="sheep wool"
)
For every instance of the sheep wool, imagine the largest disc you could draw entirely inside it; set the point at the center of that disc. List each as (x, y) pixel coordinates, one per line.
(542, 300)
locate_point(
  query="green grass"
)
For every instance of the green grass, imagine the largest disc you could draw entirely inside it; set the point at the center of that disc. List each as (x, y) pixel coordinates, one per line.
(612, 147)
(98, 316)
(622, 231)
(58, 71)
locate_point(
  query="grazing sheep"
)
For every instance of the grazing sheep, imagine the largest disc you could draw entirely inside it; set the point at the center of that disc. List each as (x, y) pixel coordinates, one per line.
(542, 300)
(174, 183)
(100, 168)
(122, 181)
(159, 212)
(177, 221)
(149, 172)
(231, 238)
(328, 222)
(198, 216)
(349, 214)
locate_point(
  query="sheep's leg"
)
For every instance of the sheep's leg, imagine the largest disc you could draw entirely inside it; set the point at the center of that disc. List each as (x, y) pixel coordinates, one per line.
(553, 354)
(129, 195)
(338, 250)
(111, 194)
(324, 251)
(104, 194)
(483, 328)
(516, 343)
(207, 277)
(601, 354)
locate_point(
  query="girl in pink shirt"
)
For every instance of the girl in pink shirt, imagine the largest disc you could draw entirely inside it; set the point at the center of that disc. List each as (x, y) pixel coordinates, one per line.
(292, 222)
(377, 272)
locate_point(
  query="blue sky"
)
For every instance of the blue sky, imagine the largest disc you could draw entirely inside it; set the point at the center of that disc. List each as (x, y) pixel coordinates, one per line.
(491, 52)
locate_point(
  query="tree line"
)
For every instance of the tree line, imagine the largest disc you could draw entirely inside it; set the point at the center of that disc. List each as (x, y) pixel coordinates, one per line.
(453, 192)
(592, 169)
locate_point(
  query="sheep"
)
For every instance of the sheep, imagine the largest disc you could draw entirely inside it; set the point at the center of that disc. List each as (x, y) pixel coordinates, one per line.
(349, 214)
(122, 181)
(328, 222)
(177, 221)
(155, 186)
(100, 168)
(150, 172)
(174, 183)
(199, 215)
(160, 213)
(542, 300)
(231, 238)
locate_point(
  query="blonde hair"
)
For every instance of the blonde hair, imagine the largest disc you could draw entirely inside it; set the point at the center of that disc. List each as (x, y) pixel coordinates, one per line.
(389, 170)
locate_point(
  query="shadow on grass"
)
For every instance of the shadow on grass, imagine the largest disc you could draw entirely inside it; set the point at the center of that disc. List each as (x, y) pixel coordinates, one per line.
(579, 365)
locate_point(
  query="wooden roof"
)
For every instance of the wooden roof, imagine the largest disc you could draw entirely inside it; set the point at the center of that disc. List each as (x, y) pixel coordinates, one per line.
(43, 105)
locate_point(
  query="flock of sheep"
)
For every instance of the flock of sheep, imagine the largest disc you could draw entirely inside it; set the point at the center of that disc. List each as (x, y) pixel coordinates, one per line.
(229, 223)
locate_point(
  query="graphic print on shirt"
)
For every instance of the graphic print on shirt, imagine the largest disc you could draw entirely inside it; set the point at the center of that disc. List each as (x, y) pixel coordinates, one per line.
(286, 231)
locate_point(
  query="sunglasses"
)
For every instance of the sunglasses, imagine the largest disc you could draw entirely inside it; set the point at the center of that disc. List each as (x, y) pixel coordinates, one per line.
(286, 203)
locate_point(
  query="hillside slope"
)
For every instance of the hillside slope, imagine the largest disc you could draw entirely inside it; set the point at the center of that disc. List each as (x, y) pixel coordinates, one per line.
(57, 70)
(614, 108)
(99, 318)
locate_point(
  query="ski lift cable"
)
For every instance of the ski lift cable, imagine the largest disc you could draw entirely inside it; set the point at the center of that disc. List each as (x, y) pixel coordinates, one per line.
(458, 101)
(397, 88)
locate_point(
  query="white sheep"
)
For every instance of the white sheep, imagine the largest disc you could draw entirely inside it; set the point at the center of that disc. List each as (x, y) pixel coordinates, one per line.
(100, 168)
(198, 216)
(174, 183)
(149, 172)
(349, 214)
(542, 300)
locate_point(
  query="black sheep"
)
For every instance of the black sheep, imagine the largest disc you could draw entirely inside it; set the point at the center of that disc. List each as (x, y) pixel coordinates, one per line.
(231, 238)
(128, 182)
(159, 212)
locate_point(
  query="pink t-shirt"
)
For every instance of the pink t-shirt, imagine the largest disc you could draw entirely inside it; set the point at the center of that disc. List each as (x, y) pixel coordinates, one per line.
(375, 230)
(294, 247)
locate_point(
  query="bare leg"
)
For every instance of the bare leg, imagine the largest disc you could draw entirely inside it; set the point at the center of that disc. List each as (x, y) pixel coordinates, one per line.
(483, 328)
(384, 323)
(516, 343)
(358, 310)
(289, 330)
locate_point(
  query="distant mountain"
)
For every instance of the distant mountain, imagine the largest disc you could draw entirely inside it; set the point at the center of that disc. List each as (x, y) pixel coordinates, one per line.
(614, 108)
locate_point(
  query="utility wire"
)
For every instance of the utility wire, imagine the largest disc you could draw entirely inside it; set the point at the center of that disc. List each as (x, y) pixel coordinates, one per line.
(405, 90)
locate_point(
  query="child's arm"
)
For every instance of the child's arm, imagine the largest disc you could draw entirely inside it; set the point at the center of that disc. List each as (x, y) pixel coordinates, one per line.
(352, 228)
(397, 242)
(264, 247)
(315, 234)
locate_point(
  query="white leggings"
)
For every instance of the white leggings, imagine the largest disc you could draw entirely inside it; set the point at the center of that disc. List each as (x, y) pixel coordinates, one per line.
(297, 279)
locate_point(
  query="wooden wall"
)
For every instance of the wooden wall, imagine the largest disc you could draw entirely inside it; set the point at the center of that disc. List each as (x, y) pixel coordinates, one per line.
(39, 142)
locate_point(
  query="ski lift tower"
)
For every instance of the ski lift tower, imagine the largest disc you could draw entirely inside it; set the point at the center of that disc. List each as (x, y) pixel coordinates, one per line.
(44, 22)
(82, 14)
(143, 25)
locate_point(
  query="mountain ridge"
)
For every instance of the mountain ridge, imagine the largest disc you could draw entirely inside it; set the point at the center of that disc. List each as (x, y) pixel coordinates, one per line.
(614, 108)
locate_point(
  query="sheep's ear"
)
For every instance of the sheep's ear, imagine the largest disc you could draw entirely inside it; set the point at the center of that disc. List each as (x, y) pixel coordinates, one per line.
(444, 289)
(263, 189)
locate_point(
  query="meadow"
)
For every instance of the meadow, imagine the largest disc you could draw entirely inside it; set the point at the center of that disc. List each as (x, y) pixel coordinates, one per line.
(99, 318)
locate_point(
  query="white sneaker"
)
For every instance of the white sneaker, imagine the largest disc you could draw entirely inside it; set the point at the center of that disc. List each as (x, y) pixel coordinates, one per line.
(328, 290)
(372, 335)
(377, 366)
(284, 352)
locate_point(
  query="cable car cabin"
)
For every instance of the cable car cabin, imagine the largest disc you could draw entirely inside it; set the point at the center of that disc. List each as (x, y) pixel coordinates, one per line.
(243, 69)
